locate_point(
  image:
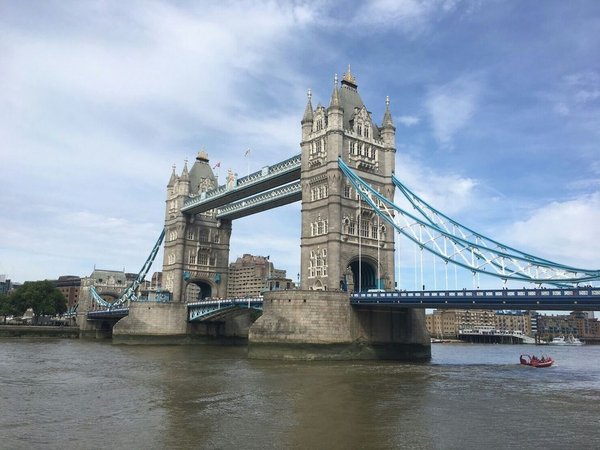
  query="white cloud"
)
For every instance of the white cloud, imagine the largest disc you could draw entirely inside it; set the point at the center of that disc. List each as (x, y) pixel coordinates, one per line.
(565, 232)
(113, 96)
(408, 121)
(451, 107)
(577, 94)
(413, 17)
(450, 193)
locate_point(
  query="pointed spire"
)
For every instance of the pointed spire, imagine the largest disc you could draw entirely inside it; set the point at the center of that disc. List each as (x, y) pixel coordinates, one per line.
(185, 174)
(349, 79)
(335, 98)
(387, 117)
(173, 178)
(308, 112)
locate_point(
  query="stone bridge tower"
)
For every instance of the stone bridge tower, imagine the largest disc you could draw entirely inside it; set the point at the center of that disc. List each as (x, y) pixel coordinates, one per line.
(344, 244)
(196, 257)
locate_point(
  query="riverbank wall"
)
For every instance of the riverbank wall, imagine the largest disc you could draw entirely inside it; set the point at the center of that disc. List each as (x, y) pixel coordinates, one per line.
(31, 331)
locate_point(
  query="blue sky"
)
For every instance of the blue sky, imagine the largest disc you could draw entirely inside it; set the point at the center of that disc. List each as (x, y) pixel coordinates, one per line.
(496, 104)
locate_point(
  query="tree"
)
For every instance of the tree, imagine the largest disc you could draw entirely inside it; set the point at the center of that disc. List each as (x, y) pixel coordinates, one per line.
(41, 296)
(6, 308)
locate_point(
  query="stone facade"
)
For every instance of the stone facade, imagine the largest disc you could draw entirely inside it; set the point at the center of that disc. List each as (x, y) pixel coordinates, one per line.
(323, 325)
(149, 320)
(344, 244)
(196, 249)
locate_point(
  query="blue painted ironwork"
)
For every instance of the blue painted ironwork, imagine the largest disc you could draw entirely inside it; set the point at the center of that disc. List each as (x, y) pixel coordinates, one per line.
(130, 293)
(116, 313)
(276, 175)
(261, 202)
(582, 299)
(211, 309)
(462, 246)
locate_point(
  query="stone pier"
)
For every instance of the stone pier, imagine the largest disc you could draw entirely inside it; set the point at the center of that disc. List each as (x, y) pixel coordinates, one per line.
(322, 325)
(166, 323)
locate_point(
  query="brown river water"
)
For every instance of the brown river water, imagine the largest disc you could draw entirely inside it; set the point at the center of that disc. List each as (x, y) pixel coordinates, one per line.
(77, 394)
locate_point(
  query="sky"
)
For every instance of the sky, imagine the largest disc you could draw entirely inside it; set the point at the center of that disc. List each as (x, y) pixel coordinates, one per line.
(496, 106)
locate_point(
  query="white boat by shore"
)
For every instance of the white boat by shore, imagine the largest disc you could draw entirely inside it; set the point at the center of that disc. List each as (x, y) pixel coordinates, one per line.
(561, 340)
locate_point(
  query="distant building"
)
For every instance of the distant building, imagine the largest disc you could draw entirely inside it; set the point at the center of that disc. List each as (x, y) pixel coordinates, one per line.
(109, 284)
(5, 285)
(70, 287)
(577, 323)
(251, 275)
(447, 323)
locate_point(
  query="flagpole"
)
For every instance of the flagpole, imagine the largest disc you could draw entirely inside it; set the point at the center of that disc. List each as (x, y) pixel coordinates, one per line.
(248, 162)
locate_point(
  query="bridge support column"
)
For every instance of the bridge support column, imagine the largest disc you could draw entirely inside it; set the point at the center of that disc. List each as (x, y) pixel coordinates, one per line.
(322, 325)
(150, 322)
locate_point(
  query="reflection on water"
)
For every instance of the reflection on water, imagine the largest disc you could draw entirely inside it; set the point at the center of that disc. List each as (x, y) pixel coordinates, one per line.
(78, 394)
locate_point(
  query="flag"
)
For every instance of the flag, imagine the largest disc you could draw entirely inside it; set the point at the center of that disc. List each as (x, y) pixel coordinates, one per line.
(247, 152)
(217, 165)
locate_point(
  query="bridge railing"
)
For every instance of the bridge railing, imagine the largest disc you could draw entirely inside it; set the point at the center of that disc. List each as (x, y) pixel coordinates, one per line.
(287, 165)
(553, 292)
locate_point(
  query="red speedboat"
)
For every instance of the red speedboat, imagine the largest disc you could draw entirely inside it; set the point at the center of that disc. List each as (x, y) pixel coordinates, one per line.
(534, 361)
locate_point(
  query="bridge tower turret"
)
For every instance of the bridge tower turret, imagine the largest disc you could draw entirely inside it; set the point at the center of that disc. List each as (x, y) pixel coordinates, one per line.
(344, 245)
(196, 249)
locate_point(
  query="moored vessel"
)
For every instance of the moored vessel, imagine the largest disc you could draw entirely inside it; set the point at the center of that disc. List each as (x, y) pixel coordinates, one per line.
(561, 340)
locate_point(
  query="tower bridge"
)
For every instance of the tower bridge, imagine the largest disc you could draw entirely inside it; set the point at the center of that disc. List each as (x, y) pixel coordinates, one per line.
(346, 305)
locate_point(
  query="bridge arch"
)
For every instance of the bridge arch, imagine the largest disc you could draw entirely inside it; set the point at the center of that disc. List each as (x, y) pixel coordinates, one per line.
(198, 289)
(318, 286)
(366, 269)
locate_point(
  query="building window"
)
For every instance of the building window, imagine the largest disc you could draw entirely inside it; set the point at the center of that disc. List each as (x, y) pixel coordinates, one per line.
(364, 228)
(352, 227)
(374, 231)
(192, 258)
(347, 191)
(203, 258)
(171, 258)
(190, 234)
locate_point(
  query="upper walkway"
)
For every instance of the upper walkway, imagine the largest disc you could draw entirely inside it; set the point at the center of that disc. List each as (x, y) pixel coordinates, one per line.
(266, 179)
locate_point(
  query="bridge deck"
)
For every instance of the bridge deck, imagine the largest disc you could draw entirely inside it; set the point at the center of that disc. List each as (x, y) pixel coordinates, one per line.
(587, 299)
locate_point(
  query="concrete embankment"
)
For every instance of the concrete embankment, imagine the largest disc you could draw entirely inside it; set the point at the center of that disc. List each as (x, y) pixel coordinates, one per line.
(27, 331)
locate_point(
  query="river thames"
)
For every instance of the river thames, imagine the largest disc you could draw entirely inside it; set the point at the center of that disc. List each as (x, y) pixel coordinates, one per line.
(77, 394)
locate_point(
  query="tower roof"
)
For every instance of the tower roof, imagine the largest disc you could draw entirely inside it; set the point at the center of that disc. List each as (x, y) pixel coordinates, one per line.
(200, 172)
(350, 101)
